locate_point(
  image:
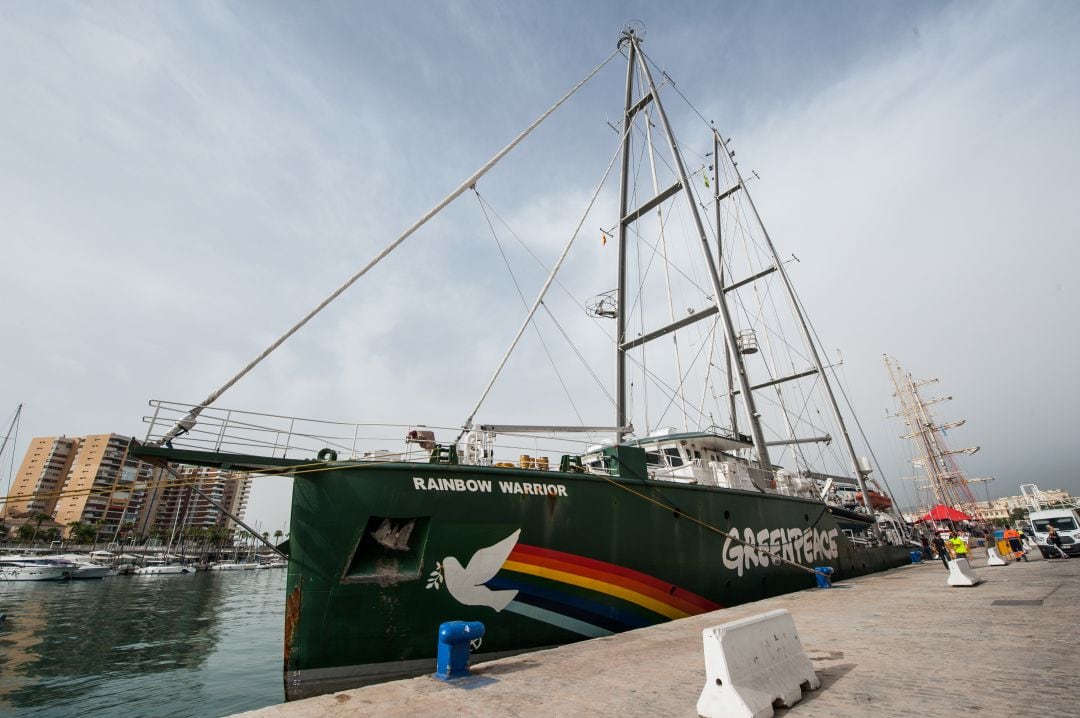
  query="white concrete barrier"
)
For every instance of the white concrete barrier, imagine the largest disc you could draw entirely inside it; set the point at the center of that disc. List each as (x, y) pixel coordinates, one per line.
(750, 664)
(993, 558)
(960, 573)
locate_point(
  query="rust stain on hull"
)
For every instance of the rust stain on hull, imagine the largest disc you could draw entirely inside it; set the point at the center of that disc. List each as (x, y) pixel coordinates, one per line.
(292, 615)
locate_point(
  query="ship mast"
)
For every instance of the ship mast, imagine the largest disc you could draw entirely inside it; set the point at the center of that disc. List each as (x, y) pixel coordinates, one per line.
(12, 431)
(728, 350)
(947, 480)
(627, 217)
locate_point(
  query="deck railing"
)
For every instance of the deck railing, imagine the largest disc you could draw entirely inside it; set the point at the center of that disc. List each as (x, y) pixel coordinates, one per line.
(236, 431)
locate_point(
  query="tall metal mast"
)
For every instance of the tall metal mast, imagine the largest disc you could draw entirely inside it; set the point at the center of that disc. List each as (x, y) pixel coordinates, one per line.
(626, 217)
(626, 39)
(947, 479)
(811, 345)
(732, 414)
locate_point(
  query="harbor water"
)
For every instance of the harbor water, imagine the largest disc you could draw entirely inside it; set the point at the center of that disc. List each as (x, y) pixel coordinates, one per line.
(208, 644)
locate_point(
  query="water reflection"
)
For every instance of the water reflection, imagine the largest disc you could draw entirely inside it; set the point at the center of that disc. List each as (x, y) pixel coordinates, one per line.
(206, 644)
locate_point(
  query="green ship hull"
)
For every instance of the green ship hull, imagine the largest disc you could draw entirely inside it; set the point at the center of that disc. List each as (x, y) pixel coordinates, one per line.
(541, 558)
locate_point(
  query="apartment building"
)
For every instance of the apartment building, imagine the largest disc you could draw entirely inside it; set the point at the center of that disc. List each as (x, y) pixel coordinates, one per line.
(44, 469)
(173, 502)
(103, 485)
(93, 480)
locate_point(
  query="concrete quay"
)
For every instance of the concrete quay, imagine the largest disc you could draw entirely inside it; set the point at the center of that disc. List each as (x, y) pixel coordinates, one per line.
(900, 643)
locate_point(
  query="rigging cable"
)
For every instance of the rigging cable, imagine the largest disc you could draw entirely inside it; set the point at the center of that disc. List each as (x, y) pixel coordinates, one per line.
(543, 292)
(570, 342)
(525, 302)
(185, 424)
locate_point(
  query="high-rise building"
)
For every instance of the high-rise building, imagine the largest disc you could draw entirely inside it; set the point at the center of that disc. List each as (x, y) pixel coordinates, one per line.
(93, 480)
(104, 485)
(41, 476)
(173, 502)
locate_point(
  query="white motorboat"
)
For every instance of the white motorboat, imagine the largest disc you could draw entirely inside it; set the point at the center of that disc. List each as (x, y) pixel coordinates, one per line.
(157, 568)
(21, 570)
(273, 564)
(76, 565)
(85, 567)
(234, 567)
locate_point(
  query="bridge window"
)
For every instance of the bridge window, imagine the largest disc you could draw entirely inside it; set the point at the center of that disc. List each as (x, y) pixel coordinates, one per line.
(674, 457)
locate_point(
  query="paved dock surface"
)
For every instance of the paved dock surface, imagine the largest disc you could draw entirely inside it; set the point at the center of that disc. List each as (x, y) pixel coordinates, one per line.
(900, 643)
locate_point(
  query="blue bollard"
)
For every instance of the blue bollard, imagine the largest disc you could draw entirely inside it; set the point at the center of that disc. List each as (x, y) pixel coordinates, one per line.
(452, 658)
(822, 574)
(916, 556)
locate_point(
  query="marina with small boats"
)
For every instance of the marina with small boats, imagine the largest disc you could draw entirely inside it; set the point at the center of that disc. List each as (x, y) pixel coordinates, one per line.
(45, 566)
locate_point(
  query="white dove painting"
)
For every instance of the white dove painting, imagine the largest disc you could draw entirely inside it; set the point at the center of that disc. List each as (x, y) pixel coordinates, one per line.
(466, 583)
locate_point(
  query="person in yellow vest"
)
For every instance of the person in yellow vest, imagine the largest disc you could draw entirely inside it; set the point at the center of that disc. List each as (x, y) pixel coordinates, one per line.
(958, 545)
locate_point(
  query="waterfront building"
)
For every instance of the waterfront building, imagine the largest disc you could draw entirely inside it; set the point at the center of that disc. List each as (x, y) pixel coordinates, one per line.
(92, 480)
(105, 487)
(172, 501)
(44, 469)
(1000, 511)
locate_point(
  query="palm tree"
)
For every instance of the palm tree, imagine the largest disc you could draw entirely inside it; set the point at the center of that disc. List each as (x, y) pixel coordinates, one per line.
(37, 518)
(98, 525)
(79, 532)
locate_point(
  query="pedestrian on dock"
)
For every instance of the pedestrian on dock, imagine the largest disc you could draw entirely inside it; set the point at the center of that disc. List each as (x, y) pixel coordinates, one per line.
(942, 550)
(1016, 544)
(959, 545)
(925, 546)
(1054, 540)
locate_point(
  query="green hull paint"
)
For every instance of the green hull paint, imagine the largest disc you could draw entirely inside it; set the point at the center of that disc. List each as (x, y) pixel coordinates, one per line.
(360, 613)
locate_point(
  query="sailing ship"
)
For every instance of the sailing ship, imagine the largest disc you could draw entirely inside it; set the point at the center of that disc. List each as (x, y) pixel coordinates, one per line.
(550, 534)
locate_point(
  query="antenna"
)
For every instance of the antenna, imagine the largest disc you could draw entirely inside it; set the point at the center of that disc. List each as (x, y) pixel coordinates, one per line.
(632, 28)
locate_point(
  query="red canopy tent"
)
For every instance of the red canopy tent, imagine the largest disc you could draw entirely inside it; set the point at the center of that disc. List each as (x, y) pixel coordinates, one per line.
(941, 512)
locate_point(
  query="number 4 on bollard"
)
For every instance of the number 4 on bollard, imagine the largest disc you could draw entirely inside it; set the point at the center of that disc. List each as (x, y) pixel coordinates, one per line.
(452, 657)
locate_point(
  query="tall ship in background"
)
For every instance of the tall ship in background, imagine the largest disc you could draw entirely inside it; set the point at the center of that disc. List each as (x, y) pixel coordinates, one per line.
(946, 482)
(726, 473)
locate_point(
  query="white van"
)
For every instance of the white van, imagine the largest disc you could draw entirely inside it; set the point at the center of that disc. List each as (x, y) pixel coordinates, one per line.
(1067, 523)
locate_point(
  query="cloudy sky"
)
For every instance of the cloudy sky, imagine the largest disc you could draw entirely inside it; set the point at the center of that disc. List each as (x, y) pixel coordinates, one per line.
(180, 182)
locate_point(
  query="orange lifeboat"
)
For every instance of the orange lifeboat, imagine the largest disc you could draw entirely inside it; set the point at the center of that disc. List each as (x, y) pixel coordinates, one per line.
(878, 501)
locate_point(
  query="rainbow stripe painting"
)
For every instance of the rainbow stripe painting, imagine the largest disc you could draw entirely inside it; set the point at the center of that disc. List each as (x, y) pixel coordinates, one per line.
(588, 597)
